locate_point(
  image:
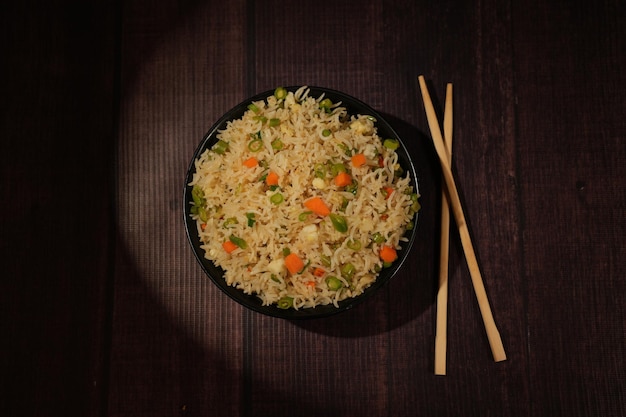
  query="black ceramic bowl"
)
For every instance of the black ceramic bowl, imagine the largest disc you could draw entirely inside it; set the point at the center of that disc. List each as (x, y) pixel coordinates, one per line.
(216, 274)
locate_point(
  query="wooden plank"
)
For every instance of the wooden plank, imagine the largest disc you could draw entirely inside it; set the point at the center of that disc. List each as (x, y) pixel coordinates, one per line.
(572, 154)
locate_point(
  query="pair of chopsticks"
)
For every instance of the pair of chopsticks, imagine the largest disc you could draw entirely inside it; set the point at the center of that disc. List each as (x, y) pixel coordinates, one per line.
(451, 201)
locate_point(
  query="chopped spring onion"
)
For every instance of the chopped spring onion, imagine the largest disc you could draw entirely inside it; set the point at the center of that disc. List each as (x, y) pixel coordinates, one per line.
(337, 168)
(251, 219)
(254, 107)
(320, 171)
(277, 144)
(255, 145)
(304, 215)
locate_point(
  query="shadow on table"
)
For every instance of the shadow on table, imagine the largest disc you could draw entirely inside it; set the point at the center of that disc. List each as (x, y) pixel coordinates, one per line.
(413, 289)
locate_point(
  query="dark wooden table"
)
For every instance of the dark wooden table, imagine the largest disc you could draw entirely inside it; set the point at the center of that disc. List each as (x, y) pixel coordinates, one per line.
(105, 312)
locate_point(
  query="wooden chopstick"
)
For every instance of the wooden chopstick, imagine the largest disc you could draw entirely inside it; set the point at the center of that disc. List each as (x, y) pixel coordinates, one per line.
(442, 293)
(493, 335)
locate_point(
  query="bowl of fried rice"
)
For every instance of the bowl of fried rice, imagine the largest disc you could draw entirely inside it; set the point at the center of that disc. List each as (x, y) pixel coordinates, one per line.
(301, 202)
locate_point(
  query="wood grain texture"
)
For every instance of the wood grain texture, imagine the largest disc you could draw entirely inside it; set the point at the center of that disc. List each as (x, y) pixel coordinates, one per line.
(106, 311)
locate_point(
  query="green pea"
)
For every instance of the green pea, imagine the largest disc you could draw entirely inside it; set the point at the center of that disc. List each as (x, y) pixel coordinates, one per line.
(280, 93)
(326, 133)
(355, 245)
(378, 238)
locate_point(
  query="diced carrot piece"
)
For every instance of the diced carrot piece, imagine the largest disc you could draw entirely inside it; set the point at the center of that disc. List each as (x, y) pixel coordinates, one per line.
(251, 162)
(272, 178)
(381, 161)
(342, 179)
(293, 263)
(229, 246)
(319, 272)
(388, 254)
(388, 192)
(358, 160)
(310, 284)
(317, 206)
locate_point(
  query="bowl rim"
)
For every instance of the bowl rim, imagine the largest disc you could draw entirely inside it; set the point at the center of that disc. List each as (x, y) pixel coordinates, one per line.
(251, 301)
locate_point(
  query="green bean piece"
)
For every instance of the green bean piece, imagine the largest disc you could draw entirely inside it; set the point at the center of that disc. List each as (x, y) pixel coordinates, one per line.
(339, 222)
(238, 241)
(355, 245)
(333, 283)
(274, 122)
(202, 213)
(251, 219)
(220, 147)
(255, 145)
(326, 104)
(277, 144)
(391, 144)
(326, 133)
(274, 278)
(254, 107)
(197, 194)
(280, 93)
(325, 259)
(347, 271)
(285, 303)
(277, 198)
(229, 222)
